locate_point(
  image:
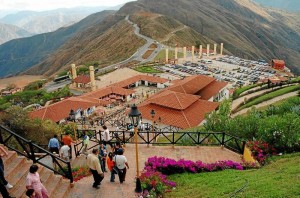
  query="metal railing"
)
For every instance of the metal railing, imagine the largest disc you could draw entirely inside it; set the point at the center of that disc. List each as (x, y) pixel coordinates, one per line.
(176, 138)
(94, 137)
(34, 152)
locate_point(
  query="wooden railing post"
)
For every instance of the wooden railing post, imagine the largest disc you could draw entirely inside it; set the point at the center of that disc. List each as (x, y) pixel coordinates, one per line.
(223, 140)
(148, 140)
(32, 153)
(123, 132)
(173, 139)
(243, 148)
(70, 172)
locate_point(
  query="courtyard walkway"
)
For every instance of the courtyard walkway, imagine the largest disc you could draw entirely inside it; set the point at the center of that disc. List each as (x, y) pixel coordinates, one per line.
(208, 154)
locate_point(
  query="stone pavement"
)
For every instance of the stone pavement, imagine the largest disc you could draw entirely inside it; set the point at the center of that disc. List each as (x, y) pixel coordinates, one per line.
(208, 154)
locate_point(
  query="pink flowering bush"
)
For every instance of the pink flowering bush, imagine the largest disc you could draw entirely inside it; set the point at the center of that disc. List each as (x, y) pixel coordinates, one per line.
(154, 180)
(261, 150)
(169, 166)
(155, 184)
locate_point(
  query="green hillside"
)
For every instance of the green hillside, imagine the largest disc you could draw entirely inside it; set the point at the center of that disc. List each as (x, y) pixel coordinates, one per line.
(278, 179)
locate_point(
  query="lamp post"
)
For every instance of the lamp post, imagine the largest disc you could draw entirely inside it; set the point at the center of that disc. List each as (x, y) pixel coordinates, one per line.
(152, 112)
(135, 116)
(72, 119)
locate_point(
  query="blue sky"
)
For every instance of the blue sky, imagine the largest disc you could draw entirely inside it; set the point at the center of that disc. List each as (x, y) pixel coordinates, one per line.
(39, 5)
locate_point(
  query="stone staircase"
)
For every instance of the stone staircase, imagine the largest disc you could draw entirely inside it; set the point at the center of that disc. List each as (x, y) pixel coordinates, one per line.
(16, 169)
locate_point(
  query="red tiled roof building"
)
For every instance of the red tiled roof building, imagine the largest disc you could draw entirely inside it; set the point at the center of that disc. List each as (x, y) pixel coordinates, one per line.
(278, 64)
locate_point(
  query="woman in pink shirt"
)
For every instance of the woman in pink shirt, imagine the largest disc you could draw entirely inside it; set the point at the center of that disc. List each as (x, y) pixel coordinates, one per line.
(33, 181)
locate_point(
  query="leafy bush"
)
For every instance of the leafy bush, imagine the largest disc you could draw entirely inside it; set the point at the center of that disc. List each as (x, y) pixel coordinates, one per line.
(32, 96)
(79, 172)
(278, 126)
(37, 130)
(35, 85)
(261, 150)
(155, 184)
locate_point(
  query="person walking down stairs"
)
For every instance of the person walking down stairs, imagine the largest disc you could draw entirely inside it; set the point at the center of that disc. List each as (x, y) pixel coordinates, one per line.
(33, 181)
(3, 153)
(95, 167)
(53, 145)
(86, 141)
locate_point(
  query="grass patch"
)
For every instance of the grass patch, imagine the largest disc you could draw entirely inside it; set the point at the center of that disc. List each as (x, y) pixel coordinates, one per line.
(147, 69)
(239, 91)
(295, 80)
(278, 179)
(147, 54)
(270, 96)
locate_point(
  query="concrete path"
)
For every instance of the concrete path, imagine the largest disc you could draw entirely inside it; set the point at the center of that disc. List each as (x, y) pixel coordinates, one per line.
(266, 103)
(83, 188)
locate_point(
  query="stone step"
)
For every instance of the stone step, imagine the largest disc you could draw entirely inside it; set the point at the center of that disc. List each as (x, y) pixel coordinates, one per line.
(13, 166)
(19, 176)
(63, 190)
(53, 184)
(11, 156)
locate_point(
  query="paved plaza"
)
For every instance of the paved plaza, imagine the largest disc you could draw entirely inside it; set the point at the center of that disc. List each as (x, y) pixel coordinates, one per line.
(207, 154)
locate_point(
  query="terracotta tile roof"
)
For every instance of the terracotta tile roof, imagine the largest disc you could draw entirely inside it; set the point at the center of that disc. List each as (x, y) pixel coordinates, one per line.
(61, 110)
(212, 89)
(109, 90)
(274, 79)
(276, 61)
(191, 84)
(82, 79)
(134, 79)
(190, 117)
(173, 100)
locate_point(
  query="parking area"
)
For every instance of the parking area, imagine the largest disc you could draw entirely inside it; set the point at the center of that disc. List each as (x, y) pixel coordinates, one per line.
(236, 71)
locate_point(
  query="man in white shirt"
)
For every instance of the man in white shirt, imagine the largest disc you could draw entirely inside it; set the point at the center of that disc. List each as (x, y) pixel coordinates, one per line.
(142, 129)
(106, 136)
(121, 163)
(65, 152)
(94, 165)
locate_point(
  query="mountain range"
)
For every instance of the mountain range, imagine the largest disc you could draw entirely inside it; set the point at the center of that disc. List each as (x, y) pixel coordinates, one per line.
(9, 32)
(35, 22)
(247, 30)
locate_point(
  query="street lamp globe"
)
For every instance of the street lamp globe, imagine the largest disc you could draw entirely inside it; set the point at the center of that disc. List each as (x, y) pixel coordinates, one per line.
(134, 115)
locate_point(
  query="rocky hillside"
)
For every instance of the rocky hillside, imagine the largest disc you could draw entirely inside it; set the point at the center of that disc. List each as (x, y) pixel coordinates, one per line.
(248, 30)
(9, 32)
(21, 54)
(167, 30)
(103, 44)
